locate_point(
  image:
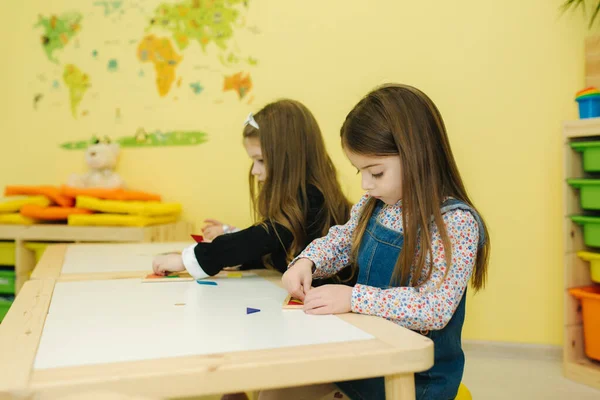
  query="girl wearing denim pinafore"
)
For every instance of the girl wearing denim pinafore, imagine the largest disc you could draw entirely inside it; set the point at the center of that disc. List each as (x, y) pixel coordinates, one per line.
(415, 239)
(377, 256)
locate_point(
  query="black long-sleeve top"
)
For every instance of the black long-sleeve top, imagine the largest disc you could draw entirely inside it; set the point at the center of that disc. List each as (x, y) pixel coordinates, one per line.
(248, 246)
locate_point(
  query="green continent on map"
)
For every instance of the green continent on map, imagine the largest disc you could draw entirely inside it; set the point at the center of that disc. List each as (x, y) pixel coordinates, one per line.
(78, 84)
(58, 32)
(202, 20)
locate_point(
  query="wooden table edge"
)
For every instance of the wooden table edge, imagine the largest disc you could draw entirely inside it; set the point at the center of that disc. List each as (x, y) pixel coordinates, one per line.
(25, 324)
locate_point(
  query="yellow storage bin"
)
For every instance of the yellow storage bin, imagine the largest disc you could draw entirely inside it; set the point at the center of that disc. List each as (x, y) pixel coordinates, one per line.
(146, 208)
(38, 248)
(7, 253)
(594, 260)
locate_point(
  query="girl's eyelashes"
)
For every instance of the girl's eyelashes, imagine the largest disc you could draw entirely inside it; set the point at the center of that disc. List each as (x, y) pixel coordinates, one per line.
(376, 176)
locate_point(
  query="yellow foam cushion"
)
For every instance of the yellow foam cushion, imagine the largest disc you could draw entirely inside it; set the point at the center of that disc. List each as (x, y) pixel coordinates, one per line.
(53, 193)
(16, 219)
(11, 204)
(146, 208)
(120, 220)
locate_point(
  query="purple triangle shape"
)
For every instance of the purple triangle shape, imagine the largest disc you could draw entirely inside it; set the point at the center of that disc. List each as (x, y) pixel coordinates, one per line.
(251, 310)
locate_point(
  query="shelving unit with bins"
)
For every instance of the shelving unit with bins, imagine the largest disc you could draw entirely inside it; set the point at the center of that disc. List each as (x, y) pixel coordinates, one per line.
(576, 366)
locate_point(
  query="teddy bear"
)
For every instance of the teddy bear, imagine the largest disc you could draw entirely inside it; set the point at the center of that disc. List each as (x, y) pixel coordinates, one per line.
(101, 158)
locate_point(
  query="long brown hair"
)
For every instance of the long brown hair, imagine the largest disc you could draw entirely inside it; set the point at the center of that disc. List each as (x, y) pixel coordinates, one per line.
(401, 120)
(294, 157)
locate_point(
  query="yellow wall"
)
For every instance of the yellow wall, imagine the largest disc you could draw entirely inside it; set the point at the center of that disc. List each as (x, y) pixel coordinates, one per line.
(502, 73)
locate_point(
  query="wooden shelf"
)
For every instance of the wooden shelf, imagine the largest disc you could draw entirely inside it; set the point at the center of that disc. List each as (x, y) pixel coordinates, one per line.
(582, 128)
(576, 366)
(583, 371)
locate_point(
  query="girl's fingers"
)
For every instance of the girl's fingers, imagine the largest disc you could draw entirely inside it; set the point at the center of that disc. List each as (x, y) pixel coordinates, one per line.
(311, 302)
(324, 310)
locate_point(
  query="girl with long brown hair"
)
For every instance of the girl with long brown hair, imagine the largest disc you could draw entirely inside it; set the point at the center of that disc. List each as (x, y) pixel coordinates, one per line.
(414, 240)
(295, 193)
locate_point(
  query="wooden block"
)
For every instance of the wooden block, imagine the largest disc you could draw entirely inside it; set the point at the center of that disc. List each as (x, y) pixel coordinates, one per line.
(176, 277)
(292, 303)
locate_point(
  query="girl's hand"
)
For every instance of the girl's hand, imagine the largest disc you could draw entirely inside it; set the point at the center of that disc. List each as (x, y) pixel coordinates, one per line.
(298, 278)
(163, 264)
(328, 299)
(212, 229)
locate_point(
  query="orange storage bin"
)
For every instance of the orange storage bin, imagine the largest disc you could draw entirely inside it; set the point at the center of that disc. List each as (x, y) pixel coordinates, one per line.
(590, 308)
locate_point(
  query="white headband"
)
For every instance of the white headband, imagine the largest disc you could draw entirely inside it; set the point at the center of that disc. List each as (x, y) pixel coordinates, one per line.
(250, 121)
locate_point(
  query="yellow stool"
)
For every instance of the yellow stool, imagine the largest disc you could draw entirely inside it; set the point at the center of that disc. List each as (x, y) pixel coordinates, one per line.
(463, 393)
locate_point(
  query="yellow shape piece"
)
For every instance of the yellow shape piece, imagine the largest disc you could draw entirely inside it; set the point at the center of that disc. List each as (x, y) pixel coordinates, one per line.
(12, 204)
(16, 219)
(119, 220)
(144, 208)
(234, 275)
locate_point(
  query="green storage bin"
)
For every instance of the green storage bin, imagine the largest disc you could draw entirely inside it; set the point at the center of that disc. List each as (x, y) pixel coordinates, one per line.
(589, 192)
(7, 253)
(7, 281)
(591, 155)
(5, 303)
(591, 229)
(38, 248)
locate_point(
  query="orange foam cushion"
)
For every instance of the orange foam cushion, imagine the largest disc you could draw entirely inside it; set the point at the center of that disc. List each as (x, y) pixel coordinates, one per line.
(50, 213)
(109, 194)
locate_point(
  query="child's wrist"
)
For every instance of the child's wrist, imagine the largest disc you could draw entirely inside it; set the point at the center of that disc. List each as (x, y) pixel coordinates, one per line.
(228, 228)
(310, 263)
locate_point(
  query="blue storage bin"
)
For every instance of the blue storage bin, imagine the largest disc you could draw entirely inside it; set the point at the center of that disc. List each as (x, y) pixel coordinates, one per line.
(589, 106)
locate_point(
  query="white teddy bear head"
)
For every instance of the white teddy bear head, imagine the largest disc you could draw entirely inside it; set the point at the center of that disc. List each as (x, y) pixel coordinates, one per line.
(102, 155)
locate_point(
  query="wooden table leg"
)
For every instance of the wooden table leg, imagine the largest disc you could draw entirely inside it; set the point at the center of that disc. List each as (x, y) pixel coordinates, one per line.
(400, 387)
(24, 264)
